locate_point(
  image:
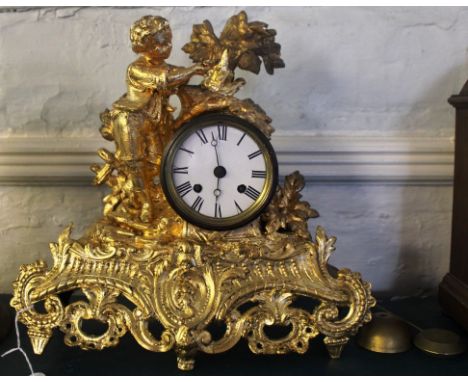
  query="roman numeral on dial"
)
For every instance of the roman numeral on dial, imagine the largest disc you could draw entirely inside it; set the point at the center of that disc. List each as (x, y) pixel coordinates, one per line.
(252, 193)
(218, 211)
(240, 140)
(238, 207)
(255, 154)
(222, 132)
(186, 150)
(184, 188)
(198, 203)
(258, 174)
(202, 136)
(180, 170)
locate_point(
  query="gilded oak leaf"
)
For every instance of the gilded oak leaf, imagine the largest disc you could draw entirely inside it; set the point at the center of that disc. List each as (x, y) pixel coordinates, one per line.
(204, 45)
(286, 212)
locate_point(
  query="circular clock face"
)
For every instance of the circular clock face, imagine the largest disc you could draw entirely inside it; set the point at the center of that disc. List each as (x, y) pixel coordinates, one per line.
(219, 172)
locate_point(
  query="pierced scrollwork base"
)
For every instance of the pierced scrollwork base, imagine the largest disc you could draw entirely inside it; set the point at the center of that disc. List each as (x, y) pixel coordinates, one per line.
(248, 284)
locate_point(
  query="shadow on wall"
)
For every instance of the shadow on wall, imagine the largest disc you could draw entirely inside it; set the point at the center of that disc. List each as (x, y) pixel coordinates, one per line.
(396, 233)
(425, 229)
(422, 258)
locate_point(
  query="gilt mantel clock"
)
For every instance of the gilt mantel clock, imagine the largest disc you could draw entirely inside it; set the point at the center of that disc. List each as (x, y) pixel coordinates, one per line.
(196, 229)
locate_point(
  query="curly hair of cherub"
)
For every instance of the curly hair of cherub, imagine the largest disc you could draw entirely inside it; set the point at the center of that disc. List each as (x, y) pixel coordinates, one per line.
(143, 27)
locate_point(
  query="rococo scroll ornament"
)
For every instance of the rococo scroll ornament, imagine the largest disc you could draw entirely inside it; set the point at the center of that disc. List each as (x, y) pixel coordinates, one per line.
(195, 229)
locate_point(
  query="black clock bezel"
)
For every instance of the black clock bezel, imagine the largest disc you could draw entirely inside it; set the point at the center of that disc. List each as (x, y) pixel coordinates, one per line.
(206, 222)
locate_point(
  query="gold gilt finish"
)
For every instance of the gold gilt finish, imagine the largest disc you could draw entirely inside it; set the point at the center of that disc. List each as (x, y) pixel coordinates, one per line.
(183, 276)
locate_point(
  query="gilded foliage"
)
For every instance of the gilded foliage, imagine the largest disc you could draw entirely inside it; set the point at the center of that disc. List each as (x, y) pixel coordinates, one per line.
(286, 212)
(248, 45)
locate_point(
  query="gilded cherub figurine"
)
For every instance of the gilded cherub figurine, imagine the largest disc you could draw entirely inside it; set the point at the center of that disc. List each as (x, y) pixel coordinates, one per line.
(138, 120)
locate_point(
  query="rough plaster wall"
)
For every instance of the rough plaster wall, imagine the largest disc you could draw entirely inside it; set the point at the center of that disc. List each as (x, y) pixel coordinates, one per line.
(373, 71)
(31, 217)
(398, 237)
(349, 71)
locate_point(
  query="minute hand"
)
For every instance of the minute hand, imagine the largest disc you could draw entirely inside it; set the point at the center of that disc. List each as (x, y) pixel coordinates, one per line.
(214, 143)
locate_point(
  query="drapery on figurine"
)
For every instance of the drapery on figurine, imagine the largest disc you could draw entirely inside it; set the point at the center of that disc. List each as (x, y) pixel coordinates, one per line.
(139, 120)
(143, 262)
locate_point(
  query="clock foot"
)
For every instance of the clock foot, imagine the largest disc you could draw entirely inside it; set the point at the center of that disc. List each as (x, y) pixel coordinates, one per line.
(39, 340)
(335, 346)
(185, 364)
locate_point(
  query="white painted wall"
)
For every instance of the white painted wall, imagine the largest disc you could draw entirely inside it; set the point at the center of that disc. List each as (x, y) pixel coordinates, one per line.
(366, 86)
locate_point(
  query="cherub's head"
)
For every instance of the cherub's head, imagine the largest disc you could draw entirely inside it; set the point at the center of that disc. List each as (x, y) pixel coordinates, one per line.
(151, 36)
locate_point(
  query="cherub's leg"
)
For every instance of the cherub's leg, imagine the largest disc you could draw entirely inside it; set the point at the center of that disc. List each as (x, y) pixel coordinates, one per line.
(130, 134)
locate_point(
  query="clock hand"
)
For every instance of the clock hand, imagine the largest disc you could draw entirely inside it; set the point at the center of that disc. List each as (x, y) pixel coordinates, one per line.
(214, 143)
(217, 192)
(219, 172)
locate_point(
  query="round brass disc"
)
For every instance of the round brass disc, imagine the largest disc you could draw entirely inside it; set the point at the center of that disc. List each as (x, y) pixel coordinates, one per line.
(386, 333)
(440, 342)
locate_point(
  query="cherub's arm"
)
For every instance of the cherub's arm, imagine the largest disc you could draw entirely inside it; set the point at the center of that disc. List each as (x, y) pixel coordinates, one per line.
(159, 77)
(179, 75)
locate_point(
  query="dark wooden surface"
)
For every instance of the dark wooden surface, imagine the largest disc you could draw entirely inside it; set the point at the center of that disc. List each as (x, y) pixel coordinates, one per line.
(128, 358)
(453, 292)
(6, 315)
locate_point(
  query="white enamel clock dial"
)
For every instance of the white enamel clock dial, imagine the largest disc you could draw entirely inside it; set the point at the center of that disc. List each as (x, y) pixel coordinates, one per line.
(219, 172)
